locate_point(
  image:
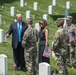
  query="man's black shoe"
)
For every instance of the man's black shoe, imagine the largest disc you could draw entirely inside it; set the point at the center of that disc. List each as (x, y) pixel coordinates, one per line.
(17, 69)
(23, 69)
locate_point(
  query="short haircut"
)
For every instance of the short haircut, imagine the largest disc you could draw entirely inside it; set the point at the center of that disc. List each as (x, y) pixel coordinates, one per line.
(18, 14)
(61, 20)
(29, 20)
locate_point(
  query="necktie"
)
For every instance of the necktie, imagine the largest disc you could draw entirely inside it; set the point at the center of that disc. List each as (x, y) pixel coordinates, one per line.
(19, 32)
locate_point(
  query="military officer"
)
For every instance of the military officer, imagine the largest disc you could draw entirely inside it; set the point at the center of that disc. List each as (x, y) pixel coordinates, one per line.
(60, 47)
(71, 45)
(30, 49)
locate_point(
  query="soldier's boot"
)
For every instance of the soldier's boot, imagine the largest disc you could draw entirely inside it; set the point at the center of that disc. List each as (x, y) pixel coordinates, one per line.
(31, 72)
(65, 72)
(34, 74)
(60, 72)
(72, 68)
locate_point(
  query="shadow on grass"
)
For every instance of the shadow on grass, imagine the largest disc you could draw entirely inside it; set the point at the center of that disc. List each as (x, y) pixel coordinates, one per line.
(56, 16)
(56, 71)
(6, 1)
(74, 17)
(61, 16)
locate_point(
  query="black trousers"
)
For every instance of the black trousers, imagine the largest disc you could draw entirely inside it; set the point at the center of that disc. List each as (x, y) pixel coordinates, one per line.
(18, 55)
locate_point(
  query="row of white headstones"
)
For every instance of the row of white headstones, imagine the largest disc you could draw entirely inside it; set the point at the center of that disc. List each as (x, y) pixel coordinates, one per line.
(45, 16)
(50, 9)
(44, 68)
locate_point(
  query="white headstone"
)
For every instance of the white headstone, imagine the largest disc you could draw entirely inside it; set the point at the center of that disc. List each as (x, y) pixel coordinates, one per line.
(33, 17)
(68, 5)
(52, 43)
(3, 65)
(64, 25)
(54, 2)
(1, 36)
(37, 26)
(50, 9)
(15, 20)
(12, 12)
(45, 16)
(53, 54)
(27, 14)
(22, 3)
(25, 4)
(0, 19)
(66, 12)
(2, 6)
(35, 5)
(44, 69)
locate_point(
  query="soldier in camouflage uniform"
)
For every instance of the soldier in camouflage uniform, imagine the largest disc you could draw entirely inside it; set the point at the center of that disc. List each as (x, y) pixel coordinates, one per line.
(71, 45)
(30, 49)
(60, 47)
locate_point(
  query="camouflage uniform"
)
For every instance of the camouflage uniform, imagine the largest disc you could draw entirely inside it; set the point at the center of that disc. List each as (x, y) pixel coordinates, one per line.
(60, 49)
(71, 45)
(30, 49)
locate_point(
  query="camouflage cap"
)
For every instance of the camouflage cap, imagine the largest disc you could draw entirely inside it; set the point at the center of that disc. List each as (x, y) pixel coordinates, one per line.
(69, 17)
(60, 20)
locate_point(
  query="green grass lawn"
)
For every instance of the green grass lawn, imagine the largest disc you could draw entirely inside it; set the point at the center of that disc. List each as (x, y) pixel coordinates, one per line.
(58, 11)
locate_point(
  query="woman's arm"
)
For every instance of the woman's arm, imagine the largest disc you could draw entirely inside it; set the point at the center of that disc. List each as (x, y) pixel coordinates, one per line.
(46, 37)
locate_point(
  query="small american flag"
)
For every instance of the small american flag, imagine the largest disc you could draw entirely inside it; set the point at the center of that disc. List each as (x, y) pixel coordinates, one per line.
(75, 37)
(72, 37)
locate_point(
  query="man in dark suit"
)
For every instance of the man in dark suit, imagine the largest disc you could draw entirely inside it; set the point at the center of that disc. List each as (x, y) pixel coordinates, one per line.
(17, 30)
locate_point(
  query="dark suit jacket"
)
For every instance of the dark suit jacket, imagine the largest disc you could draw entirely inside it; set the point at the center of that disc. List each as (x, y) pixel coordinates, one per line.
(14, 30)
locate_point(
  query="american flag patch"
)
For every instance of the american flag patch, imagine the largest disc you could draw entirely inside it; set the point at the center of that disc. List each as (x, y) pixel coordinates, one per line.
(72, 37)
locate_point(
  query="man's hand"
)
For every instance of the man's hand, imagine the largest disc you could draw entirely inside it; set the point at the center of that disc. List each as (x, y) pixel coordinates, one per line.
(7, 36)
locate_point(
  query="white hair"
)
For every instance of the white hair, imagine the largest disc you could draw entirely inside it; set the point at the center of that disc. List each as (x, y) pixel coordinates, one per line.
(18, 15)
